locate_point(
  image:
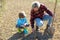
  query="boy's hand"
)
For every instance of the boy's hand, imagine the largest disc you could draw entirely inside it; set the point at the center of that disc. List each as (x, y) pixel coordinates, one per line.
(26, 25)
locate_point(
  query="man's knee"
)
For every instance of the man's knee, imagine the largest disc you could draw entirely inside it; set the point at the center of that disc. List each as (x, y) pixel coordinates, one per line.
(39, 24)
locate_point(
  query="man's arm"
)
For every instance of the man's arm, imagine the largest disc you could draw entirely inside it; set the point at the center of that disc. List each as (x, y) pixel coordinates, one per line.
(47, 10)
(32, 19)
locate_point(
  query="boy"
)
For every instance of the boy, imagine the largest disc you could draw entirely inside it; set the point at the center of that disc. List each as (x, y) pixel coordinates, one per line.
(38, 15)
(22, 22)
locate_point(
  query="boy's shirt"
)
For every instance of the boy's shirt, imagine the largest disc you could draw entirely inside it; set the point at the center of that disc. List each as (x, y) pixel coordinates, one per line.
(21, 21)
(39, 14)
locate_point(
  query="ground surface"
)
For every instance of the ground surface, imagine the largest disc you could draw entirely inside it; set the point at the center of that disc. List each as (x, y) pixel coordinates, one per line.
(9, 15)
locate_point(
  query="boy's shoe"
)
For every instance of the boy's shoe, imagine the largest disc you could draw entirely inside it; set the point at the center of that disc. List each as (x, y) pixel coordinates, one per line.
(19, 30)
(25, 31)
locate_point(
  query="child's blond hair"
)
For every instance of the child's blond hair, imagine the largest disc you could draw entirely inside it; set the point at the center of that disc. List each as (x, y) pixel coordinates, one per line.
(22, 14)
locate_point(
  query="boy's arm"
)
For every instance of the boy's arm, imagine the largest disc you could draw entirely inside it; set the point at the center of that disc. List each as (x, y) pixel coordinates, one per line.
(47, 10)
(17, 23)
(26, 20)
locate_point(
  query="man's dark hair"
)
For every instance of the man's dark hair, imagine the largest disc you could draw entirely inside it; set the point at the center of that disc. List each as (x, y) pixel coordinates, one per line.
(35, 5)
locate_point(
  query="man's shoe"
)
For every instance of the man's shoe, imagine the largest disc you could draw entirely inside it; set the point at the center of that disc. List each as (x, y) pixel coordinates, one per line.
(37, 28)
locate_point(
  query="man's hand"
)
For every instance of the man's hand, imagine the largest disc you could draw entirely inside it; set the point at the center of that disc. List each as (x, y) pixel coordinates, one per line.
(33, 30)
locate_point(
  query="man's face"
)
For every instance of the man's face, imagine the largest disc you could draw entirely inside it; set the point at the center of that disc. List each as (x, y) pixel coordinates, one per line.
(35, 9)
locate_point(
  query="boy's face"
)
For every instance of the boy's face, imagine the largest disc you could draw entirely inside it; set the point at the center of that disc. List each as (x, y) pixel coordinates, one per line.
(35, 9)
(21, 16)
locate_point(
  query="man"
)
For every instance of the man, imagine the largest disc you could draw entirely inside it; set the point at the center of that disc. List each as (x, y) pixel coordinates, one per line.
(40, 13)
